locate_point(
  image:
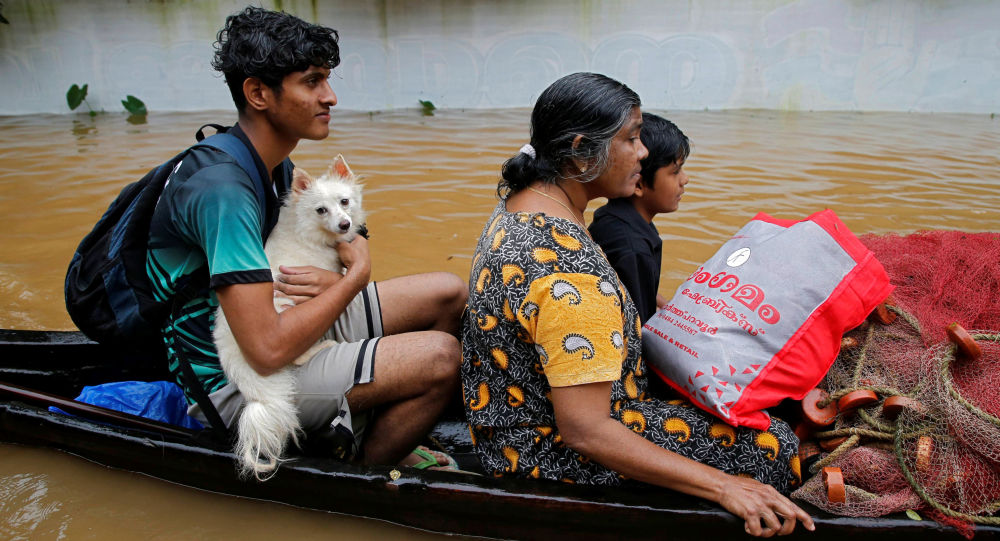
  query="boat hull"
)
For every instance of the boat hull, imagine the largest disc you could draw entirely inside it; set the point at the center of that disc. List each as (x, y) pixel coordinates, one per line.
(437, 501)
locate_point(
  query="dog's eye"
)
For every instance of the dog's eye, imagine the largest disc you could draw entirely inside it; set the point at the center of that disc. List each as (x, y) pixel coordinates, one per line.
(344, 202)
(321, 211)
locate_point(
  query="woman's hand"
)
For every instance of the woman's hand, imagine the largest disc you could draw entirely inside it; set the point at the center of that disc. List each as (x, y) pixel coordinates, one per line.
(303, 283)
(585, 426)
(756, 502)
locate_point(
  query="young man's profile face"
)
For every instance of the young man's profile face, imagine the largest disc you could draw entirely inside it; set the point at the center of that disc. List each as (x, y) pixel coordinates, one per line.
(302, 109)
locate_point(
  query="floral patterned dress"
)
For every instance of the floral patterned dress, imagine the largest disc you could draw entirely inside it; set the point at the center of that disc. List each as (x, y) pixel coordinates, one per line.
(545, 310)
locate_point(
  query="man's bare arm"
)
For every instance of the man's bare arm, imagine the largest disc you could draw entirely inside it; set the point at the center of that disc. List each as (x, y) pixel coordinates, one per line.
(269, 340)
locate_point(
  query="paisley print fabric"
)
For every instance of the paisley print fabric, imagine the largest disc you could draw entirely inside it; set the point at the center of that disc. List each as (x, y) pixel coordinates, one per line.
(584, 351)
(546, 309)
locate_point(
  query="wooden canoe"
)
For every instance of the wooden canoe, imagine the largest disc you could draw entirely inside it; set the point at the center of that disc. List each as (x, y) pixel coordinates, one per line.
(43, 368)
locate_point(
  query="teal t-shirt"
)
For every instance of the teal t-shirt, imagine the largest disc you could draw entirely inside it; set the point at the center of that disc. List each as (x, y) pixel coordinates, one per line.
(208, 220)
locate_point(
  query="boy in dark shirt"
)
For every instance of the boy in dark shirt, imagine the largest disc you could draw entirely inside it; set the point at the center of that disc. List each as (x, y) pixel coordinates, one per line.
(624, 227)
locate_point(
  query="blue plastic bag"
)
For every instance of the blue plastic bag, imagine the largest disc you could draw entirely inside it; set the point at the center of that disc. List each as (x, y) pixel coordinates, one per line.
(158, 400)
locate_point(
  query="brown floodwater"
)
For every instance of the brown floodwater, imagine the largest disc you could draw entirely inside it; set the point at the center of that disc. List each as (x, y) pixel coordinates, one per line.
(430, 184)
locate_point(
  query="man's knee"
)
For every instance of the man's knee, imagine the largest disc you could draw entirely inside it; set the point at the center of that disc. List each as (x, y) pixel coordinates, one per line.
(454, 292)
(443, 358)
(450, 295)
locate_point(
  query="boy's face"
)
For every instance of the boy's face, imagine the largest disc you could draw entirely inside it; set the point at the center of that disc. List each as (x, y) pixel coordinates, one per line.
(668, 187)
(302, 109)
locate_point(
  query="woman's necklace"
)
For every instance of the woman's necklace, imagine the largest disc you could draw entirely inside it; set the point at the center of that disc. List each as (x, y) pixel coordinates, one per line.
(564, 205)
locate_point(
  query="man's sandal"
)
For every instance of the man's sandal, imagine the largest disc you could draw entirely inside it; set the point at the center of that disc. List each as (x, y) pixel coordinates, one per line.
(431, 461)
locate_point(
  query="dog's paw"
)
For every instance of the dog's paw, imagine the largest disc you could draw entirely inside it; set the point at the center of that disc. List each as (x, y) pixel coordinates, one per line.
(282, 302)
(316, 348)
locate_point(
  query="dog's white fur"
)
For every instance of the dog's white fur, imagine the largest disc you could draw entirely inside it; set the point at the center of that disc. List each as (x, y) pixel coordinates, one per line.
(316, 215)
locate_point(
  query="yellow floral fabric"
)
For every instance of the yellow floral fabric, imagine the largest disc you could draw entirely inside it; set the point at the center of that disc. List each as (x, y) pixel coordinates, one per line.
(574, 320)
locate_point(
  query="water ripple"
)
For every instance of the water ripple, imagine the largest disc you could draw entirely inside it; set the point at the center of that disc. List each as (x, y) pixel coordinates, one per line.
(430, 182)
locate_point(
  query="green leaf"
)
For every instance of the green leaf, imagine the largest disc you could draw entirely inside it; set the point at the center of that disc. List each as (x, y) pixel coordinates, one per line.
(428, 107)
(134, 105)
(75, 96)
(913, 514)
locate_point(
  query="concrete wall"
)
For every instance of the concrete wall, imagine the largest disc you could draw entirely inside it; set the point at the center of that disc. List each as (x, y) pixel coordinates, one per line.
(888, 55)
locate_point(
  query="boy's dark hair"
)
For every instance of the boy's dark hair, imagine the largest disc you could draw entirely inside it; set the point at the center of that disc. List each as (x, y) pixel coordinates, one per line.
(269, 45)
(666, 143)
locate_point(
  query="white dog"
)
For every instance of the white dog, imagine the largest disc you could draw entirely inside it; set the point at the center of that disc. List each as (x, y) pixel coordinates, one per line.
(317, 214)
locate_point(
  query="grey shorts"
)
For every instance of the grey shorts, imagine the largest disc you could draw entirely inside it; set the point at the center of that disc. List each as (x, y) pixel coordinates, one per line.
(323, 383)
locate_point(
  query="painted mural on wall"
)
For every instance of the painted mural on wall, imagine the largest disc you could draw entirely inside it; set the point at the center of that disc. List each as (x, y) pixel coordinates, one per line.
(896, 55)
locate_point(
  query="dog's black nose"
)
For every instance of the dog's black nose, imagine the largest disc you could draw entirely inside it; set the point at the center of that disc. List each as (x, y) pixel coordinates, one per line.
(345, 225)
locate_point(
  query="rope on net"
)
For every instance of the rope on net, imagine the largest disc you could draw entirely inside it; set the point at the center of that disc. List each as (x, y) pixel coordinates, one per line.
(944, 365)
(892, 435)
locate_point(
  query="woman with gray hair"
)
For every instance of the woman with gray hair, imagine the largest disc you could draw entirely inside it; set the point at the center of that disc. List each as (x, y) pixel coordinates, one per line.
(554, 383)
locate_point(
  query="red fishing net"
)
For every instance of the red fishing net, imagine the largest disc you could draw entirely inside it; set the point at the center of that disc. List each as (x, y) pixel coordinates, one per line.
(925, 431)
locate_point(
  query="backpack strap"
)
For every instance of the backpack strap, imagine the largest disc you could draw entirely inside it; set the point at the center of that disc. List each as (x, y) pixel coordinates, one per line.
(215, 422)
(230, 144)
(235, 148)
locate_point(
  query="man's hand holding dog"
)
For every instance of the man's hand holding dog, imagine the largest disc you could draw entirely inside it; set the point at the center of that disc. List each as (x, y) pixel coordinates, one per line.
(303, 283)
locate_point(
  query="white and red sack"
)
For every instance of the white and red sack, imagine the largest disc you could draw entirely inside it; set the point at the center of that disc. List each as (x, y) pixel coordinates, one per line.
(762, 319)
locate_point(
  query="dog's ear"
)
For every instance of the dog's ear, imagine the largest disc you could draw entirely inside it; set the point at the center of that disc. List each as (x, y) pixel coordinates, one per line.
(339, 168)
(300, 180)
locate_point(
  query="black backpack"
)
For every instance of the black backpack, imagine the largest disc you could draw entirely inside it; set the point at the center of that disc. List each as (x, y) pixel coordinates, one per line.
(108, 293)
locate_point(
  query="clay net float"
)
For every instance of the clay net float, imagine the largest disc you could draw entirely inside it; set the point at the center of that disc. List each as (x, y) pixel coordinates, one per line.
(915, 391)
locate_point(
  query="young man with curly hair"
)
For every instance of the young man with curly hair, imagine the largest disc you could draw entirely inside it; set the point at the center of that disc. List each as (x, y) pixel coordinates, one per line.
(396, 349)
